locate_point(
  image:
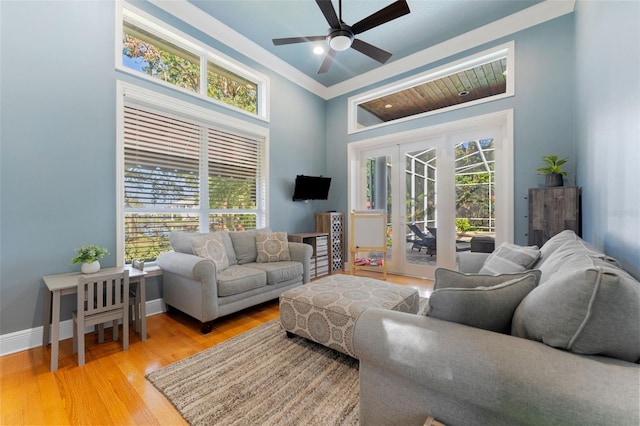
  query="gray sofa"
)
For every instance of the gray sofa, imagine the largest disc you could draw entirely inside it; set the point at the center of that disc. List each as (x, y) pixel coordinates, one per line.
(569, 355)
(211, 275)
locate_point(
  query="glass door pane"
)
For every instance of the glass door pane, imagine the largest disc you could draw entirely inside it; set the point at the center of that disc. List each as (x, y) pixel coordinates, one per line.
(378, 197)
(475, 191)
(421, 202)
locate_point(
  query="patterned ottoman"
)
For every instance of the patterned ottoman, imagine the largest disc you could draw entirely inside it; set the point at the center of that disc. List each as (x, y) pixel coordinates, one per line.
(326, 310)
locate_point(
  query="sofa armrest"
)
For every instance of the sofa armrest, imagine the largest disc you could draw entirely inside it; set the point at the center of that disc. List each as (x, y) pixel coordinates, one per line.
(301, 252)
(189, 283)
(414, 366)
(471, 262)
(187, 265)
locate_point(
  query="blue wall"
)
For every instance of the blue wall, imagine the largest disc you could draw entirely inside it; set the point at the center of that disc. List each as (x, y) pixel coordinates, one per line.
(58, 160)
(608, 126)
(543, 112)
(57, 136)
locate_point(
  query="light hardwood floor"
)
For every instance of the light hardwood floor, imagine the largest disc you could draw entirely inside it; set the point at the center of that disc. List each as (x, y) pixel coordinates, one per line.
(111, 388)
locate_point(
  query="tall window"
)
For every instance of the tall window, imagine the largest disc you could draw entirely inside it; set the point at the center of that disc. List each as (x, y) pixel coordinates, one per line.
(184, 172)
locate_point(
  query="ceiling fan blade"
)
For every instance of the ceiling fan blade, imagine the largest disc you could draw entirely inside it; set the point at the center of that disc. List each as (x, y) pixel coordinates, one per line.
(326, 64)
(329, 13)
(389, 13)
(371, 51)
(291, 40)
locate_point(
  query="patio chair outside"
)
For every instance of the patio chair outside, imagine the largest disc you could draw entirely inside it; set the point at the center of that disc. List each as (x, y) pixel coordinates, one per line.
(422, 240)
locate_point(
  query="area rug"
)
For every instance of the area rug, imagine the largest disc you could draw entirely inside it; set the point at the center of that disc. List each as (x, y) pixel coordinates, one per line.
(261, 377)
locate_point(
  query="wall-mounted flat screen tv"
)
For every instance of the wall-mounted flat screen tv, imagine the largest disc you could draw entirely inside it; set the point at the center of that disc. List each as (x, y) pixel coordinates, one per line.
(311, 188)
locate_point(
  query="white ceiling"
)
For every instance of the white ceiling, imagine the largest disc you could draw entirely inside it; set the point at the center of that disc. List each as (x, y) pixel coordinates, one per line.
(433, 30)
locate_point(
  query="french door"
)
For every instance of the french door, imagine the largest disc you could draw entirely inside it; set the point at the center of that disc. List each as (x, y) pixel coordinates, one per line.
(439, 187)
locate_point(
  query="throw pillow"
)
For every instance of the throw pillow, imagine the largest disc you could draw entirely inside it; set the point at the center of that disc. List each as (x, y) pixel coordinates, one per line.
(272, 247)
(510, 258)
(489, 308)
(210, 246)
(228, 246)
(591, 310)
(447, 278)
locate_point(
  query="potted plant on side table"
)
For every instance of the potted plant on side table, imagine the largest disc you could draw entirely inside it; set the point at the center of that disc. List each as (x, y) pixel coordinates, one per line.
(89, 255)
(553, 171)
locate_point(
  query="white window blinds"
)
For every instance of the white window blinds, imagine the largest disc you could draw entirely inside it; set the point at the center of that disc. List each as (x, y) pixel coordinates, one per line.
(181, 174)
(233, 170)
(162, 160)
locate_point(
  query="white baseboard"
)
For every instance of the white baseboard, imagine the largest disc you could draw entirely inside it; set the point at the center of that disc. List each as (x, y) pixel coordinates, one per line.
(27, 339)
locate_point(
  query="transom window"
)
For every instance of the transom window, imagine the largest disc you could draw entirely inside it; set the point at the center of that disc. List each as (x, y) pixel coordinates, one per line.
(483, 77)
(152, 55)
(163, 54)
(184, 169)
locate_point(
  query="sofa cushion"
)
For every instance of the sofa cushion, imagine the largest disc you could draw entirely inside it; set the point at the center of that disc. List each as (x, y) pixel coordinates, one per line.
(210, 246)
(490, 308)
(587, 306)
(244, 244)
(181, 241)
(510, 258)
(272, 247)
(553, 243)
(237, 279)
(563, 253)
(447, 278)
(279, 271)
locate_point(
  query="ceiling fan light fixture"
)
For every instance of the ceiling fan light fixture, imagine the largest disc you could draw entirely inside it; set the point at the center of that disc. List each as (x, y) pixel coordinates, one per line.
(341, 36)
(340, 40)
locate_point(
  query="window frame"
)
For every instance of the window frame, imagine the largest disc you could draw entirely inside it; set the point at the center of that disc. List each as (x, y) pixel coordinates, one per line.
(206, 54)
(505, 50)
(163, 103)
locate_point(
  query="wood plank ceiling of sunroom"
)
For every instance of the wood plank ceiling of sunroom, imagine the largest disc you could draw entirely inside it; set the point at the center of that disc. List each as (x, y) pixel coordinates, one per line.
(464, 86)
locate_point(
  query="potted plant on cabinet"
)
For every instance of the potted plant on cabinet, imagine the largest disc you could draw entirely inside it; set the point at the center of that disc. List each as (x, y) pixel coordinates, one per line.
(553, 171)
(89, 255)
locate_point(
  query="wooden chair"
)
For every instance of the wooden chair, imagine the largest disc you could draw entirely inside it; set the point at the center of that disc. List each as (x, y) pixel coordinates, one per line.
(134, 316)
(101, 299)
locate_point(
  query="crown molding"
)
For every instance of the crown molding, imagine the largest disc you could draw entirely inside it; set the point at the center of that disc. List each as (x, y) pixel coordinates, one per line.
(534, 15)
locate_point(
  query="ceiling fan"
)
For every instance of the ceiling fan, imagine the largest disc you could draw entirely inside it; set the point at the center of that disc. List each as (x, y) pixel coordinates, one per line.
(342, 36)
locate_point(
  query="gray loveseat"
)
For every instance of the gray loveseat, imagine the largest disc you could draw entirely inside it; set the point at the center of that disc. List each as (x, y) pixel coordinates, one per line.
(211, 275)
(570, 355)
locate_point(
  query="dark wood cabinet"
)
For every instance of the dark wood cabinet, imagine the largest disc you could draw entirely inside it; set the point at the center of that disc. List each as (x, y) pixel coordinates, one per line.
(551, 211)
